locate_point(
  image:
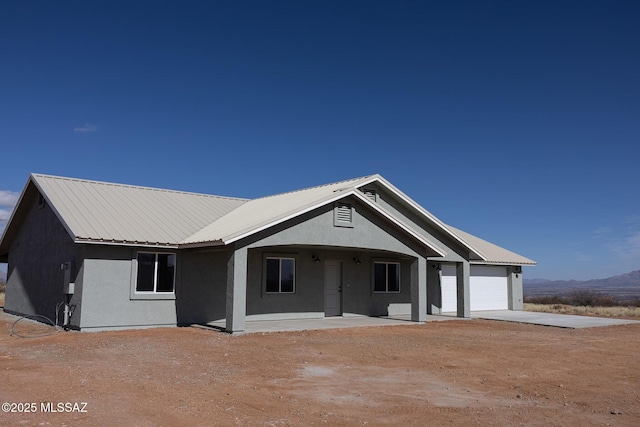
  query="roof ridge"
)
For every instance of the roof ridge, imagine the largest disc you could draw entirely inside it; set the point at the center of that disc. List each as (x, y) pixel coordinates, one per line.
(141, 187)
(315, 186)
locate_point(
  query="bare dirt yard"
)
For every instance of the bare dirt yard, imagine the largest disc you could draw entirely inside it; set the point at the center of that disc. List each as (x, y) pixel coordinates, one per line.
(454, 373)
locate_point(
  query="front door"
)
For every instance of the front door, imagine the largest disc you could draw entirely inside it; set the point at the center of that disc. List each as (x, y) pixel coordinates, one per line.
(332, 288)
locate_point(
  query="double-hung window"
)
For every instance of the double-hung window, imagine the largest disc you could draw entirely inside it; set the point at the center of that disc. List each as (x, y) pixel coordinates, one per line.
(156, 272)
(386, 277)
(280, 275)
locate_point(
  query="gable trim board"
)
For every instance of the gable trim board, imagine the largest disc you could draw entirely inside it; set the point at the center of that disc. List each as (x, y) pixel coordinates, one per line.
(220, 243)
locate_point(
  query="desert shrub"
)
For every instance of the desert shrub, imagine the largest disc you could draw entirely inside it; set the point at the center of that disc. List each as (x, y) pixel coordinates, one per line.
(605, 301)
(552, 299)
(583, 297)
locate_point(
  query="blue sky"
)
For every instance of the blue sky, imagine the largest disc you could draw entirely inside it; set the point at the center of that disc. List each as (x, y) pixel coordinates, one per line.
(518, 122)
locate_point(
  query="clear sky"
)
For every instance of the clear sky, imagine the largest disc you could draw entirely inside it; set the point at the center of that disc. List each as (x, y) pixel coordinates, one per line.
(516, 121)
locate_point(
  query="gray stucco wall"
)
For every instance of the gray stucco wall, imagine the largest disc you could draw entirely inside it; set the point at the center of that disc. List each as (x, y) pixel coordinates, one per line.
(455, 251)
(316, 228)
(434, 291)
(358, 297)
(514, 289)
(371, 238)
(202, 287)
(34, 277)
(106, 295)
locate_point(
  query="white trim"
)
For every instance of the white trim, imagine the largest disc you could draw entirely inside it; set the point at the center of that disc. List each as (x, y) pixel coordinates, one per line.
(427, 214)
(353, 192)
(132, 244)
(400, 224)
(287, 217)
(506, 263)
(155, 274)
(33, 179)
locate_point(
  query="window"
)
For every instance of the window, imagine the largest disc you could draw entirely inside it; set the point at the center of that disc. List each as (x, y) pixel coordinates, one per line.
(156, 272)
(386, 277)
(343, 215)
(280, 275)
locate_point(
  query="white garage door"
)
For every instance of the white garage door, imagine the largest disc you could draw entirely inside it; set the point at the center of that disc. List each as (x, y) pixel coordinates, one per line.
(487, 288)
(448, 286)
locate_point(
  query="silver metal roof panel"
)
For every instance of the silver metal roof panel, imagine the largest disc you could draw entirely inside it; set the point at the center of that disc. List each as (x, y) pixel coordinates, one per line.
(104, 212)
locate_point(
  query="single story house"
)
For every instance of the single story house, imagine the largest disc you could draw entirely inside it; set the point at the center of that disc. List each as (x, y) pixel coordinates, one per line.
(122, 256)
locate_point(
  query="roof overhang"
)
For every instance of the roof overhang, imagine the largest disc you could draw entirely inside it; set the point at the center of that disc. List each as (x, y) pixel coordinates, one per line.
(424, 213)
(339, 194)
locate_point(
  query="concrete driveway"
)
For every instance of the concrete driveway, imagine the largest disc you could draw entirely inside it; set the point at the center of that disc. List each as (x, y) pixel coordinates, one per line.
(549, 319)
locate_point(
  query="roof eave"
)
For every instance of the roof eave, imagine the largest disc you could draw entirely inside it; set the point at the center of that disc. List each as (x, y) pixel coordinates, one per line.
(400, 224)
(289, 215)
(510, 263)
(407, 200)
(118, 242)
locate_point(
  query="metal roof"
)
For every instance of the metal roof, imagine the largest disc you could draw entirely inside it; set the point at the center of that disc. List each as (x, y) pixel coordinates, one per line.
(100, 212)
(259, 214)
(493, 254)
(104, 212)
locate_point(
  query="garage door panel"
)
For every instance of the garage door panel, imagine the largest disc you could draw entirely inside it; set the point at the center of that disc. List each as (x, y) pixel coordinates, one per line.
(488, 288)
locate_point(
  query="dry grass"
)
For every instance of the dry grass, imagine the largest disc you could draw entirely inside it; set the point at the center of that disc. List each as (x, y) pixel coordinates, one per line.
(627, 312)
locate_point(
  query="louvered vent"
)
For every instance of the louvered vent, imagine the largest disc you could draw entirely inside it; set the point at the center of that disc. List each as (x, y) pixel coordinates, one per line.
(370, 194)
(343, 215)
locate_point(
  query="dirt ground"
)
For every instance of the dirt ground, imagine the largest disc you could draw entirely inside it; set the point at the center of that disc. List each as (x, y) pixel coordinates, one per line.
(453, 373)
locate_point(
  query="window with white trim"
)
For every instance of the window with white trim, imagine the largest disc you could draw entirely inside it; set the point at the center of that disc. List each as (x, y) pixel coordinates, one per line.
(156, 272)
(280, 275)
(386, 277)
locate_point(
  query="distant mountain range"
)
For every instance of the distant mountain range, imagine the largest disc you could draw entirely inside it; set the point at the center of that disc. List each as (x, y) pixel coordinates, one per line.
(622, 287)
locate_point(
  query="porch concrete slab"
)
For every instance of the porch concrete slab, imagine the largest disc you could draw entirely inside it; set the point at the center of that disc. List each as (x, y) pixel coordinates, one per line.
(261, 326)
(550, 319)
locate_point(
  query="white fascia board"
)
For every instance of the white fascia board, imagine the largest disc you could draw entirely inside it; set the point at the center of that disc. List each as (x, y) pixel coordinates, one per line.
(399, 223)
(505, 263)
(287, 217)
(33, 178)
(126, 243)
(425, 213)
(352, 192)
(202, 244)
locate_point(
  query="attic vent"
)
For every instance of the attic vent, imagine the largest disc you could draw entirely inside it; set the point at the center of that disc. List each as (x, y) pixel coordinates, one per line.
(343, 215)
(41, 201)
(370, 194)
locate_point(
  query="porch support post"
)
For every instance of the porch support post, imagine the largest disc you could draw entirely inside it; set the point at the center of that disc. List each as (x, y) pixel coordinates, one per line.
(419, 290)
(514, 288)
(236, 291)
(463, 274)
